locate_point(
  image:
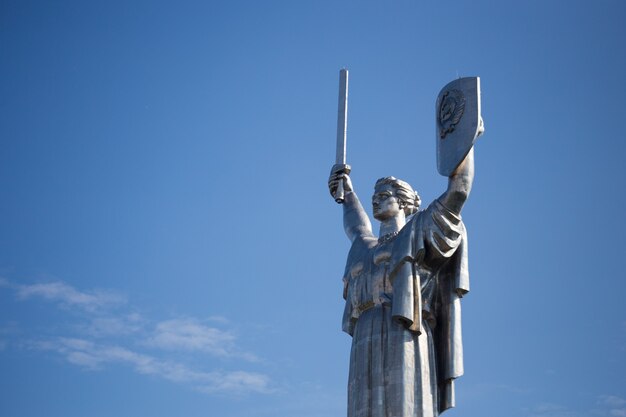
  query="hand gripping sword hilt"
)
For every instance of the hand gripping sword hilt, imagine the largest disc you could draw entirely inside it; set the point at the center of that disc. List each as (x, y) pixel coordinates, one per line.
(340, 192)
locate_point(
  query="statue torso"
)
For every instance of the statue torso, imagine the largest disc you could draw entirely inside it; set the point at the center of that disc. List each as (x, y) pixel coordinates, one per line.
(369, 283)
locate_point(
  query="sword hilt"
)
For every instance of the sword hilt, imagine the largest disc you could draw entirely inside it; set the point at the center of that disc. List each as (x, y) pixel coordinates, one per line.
(340, 192)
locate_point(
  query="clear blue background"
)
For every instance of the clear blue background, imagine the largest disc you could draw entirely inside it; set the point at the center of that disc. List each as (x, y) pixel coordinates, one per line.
(166, 163)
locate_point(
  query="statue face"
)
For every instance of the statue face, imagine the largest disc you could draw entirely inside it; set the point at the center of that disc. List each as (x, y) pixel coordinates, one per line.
(385, 204)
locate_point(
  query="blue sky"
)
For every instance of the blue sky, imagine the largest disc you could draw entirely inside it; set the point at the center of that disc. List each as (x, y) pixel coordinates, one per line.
(168, 246)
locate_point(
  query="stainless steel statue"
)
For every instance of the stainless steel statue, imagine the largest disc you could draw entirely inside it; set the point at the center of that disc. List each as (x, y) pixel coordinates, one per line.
(403, 289)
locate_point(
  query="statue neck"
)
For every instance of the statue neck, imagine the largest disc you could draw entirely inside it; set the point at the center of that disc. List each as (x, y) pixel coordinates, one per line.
(392, 225)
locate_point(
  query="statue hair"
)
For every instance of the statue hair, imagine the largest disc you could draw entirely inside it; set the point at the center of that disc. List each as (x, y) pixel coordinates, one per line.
(407, 196)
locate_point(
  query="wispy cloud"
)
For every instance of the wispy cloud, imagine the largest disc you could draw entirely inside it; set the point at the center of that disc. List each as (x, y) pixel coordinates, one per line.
(238, 382)
(607, 406)
(612, 401)
(67, 295)
(110, 331)
(191, 335)
(93, 356)
(121, 325)
(615, 404)
(555, 410)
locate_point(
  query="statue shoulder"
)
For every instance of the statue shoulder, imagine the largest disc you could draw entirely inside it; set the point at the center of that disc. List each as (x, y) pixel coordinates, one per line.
(362, 244)
(360, 249)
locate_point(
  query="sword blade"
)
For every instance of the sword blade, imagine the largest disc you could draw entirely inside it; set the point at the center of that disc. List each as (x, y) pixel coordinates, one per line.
(342, 117)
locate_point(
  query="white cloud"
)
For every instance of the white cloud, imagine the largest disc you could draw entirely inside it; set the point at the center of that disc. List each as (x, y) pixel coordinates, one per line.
(616, 405)
(612, 401)
(122, 325)
(191, 335)
(109, 332)
(92, 356)
(219, 319)
(609, 406)
(237, 382)
(68, 295)
(553, 410)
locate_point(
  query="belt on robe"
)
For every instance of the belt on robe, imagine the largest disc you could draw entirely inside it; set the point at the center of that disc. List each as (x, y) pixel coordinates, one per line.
(381, 301)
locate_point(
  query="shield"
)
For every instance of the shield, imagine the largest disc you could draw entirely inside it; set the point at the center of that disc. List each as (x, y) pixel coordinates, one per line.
(458, 122)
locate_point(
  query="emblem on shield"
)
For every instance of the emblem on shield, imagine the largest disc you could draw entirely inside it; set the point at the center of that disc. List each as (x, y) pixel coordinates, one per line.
(458, 122)
(450, 111)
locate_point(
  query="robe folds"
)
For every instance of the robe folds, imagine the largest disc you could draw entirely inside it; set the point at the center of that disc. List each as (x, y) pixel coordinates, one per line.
(403, 312)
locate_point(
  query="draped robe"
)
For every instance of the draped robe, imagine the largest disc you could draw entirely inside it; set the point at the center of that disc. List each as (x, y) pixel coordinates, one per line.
(403, 312)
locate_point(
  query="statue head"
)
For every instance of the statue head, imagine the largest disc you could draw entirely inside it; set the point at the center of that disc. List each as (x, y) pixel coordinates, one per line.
(392, 196)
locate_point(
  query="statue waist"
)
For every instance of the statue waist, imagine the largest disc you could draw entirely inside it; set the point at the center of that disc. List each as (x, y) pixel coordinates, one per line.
(382, 300)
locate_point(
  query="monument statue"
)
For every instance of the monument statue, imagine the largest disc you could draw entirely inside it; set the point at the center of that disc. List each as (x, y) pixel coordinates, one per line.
(403, 288)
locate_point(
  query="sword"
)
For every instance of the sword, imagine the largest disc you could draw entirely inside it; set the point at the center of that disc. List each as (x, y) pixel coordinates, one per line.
(342, 130)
